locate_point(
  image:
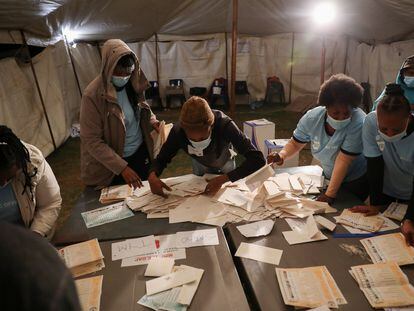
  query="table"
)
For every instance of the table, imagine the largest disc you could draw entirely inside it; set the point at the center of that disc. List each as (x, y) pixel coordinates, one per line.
(337, 254)
(74, 229)
(219, 289)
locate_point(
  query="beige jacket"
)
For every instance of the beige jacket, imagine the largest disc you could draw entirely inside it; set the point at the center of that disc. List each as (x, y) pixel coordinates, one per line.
(102, 120)
(40, 211)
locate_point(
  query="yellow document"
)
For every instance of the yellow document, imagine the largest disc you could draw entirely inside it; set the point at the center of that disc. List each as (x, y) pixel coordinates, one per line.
(89, 292)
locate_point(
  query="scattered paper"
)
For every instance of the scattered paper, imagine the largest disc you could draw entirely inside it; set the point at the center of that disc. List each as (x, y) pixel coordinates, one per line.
(256, 180)
(166, 300)
(389, 248)
(186, 239)
(189, 290)
(159, 266)
(115, 193)
(255, 229)
(89, 292)
(325, 223)
(106, 214)
(259, 253)
(294, 237)
(169, 281)
(396, 211)
(133, 247)
(360, 221)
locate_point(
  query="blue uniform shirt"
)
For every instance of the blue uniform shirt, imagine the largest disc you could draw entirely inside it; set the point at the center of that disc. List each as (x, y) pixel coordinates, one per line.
(325, 148)
(133, 135)
(9, 207)
(398, 158)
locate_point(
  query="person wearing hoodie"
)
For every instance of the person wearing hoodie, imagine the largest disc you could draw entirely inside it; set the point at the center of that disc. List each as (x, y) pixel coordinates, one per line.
(208, 137)
(405, 78)
(116, 145)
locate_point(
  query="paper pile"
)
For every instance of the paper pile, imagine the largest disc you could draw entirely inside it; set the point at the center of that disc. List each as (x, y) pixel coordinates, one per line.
(396, 211)
(89, 292)
(389, 248)
(106, 214)
(172, 291)
(83, 258)
(309, 287)
(360, 221)
(384, 285)
(115, 194)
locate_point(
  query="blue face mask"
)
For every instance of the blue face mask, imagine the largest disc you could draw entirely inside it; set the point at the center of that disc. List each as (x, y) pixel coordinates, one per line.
(119, 81)
(337, 124)
(409, 81)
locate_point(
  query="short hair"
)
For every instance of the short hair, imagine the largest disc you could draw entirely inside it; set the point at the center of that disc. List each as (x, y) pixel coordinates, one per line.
(394, 100)
(126, 61)
(340, 89)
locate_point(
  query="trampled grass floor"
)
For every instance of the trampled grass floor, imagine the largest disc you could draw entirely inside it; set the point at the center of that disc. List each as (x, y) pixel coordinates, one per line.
(65, 161)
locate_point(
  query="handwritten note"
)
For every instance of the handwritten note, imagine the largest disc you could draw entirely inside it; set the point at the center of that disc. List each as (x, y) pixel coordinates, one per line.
(197, 238)
(133, 247)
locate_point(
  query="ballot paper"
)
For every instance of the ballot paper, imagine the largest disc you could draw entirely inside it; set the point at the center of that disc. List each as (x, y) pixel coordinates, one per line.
(186, 239)
(386, 226)
(166, 300)
(389, 248)
(115, 193)
(160, 137)
(170, 280)
(255, 229)
(83, 258)
(106, 214)
(259, 253)
(166, 246)
(396, 211)
(89, 292)
(282, 180)
(384, 285)
(255, 180)
(325, 223)
(360, 221)
(294, 237)
(321, 308)
(133, 247)
(309, 287)
(159, 266)
(189, 290)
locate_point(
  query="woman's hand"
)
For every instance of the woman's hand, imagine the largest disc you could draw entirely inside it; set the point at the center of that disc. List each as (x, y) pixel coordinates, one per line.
(368, 210)
(407, 229)
(157, 185)
(215, 184)
(275, 158)
(156, 126)
(131, 178)
(325, 198)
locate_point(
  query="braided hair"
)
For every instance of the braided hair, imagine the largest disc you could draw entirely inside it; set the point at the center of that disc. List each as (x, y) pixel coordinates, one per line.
(13, 152)
(394, 100)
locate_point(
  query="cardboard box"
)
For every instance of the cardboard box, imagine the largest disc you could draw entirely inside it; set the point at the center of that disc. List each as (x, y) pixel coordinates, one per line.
(276, 145)
(258, 131)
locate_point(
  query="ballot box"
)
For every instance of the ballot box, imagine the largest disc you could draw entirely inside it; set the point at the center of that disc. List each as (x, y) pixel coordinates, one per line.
(276, 145)
(258, 131)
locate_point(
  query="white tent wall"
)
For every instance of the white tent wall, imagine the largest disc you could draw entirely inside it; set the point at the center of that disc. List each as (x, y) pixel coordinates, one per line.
(87, 62)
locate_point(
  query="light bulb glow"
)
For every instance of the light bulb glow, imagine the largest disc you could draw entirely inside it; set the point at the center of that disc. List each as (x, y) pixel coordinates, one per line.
(324, 13)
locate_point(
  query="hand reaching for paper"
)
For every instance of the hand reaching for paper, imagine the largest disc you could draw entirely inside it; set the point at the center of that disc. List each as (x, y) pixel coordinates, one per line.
(131, 177)
(407, 229)
(368, 210)
(156, 126)
(275, 158)
(325, 198)
(215, 184)
(157, 185)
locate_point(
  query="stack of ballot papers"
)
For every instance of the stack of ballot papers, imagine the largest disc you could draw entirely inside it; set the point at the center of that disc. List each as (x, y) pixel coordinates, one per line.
(384, 285)
(309, 287)
(174, 289)
(89, 292)
(388, 225)
(106, 214)
(396, 211)
(115, 194)
(360, 221)
(389, 248)
(83, 258)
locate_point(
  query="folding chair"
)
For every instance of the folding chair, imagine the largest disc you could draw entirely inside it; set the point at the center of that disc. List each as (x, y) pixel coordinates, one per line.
(218, 90)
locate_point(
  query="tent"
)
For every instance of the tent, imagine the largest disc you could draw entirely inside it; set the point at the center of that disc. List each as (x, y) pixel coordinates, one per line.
(368, 40)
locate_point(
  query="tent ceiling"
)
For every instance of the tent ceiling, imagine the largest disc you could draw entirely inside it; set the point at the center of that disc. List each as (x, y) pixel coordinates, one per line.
(365, 20)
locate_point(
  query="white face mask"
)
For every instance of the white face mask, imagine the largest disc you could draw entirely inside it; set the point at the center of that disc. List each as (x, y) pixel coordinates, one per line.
(337, 124)
(394, 138)
(201, 145)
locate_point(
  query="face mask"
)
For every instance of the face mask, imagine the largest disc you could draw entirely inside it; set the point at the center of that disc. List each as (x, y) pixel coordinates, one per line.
(120, 81)
(201, 145)
(409, 81)
(337, 124)
(394, 138)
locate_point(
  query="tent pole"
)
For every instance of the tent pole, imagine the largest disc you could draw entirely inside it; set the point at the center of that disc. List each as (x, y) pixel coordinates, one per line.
(323, 56)
(291, 68)
(227, 65)
(233, 59)
(346, 54)
(38, 90)
(156, 59)
(73, 65)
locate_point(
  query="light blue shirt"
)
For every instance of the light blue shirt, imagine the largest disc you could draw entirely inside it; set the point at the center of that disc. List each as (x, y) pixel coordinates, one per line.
(325, 148)
(9, 207)
(398, 158)
(133, 135)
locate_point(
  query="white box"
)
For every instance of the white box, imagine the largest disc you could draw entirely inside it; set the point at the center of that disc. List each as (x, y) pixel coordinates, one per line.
(258, 131)
(276, 145)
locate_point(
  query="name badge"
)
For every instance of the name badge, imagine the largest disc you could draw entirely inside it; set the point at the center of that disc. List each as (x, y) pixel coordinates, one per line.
(197, 152)
(316, 144)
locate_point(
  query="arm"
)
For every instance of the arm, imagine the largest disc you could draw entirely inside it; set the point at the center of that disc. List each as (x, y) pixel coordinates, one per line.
(48, 201)
(342, 163)
(92, 138)
(253, 158)
(407, 227)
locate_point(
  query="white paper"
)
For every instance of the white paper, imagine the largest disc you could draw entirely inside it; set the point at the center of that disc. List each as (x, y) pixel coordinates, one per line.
(294, 237)
(325, 223)
(396, 211)
(169, 281)
(186, 239)
(188, 290)
(159, 266)
(106, 214)
(255, 229)
(259, 253)
(133, 247)
(255, 180)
